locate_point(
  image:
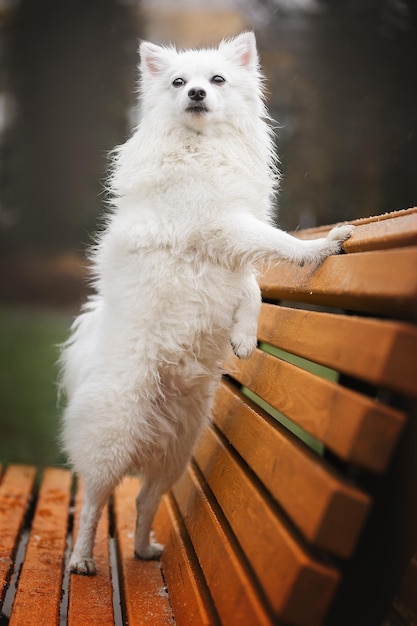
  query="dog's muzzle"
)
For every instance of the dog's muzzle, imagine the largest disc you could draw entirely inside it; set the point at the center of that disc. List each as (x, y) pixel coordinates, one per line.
(197, 96)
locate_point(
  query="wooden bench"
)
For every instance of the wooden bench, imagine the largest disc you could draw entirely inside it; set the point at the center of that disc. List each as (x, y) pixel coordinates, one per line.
(299, 506)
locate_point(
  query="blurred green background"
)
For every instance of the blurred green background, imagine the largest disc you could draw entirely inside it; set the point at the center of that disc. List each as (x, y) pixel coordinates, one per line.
(29, 409)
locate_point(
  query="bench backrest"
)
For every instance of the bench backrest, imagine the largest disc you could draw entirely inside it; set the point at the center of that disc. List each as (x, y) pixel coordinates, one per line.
(299, 505)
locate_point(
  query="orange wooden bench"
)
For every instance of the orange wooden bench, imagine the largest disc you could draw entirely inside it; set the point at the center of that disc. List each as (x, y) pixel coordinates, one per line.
(299, 507)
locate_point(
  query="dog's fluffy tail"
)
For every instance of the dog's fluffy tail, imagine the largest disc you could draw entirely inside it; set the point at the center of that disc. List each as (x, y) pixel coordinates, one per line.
(75, 351)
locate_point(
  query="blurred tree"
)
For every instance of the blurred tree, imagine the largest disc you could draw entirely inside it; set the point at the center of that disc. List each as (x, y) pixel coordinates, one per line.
(343, 81)
(71, 67)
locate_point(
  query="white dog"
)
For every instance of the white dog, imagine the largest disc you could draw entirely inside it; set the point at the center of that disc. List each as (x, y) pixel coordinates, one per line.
(175, 278)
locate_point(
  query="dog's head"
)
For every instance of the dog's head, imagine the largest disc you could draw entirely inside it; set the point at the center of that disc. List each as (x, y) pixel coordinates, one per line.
(202, 87)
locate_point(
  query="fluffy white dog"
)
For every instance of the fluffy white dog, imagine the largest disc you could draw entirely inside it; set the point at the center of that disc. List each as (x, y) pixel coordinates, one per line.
(174, 276)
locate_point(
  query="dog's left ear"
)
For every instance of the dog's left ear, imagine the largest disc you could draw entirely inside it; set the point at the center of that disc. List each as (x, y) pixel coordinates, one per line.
(241, 50)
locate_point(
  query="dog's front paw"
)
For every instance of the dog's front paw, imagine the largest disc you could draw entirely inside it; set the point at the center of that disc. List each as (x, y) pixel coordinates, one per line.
(151, 552)
(338, 235)
(243, 345)
(84, 566)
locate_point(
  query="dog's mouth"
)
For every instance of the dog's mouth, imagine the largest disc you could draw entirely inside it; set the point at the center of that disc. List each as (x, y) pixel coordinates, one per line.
(197, 109)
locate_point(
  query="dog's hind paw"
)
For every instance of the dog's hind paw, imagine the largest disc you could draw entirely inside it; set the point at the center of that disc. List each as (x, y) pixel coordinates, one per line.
(151, 552)
(84, 566)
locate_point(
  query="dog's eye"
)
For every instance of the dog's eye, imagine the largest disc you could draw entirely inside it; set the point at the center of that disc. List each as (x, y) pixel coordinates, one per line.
(217, 79)
(178, 82)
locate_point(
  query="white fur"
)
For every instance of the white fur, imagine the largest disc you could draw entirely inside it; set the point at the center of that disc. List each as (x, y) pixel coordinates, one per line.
(175, 279)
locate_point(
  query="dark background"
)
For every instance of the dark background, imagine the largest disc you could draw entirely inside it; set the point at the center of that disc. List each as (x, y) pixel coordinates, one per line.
(342, 88)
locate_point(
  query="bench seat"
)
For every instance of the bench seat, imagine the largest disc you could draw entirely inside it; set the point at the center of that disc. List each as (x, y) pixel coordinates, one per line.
(299, 506)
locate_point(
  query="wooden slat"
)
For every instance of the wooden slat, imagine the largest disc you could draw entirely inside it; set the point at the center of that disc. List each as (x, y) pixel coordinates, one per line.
(15, 492)
(329, 512)
(388, 350)
(355, 427)
(381, 281)
(90, 597)
(391, 230)
(386, 231)
(145, 599)
(273, 552)
(38, 593)
(230, 585)
(188, 594)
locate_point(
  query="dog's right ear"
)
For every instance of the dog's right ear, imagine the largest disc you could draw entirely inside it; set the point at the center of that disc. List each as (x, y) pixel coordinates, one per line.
(153, 59)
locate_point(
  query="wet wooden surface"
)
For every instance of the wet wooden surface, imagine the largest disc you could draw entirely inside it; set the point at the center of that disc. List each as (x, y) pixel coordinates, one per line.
(15, 493)
(38, 595)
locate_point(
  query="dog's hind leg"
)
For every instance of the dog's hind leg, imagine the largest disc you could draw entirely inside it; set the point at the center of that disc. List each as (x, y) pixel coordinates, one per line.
(81, 561)
(188, 412)
(155, 484)
(147, 503)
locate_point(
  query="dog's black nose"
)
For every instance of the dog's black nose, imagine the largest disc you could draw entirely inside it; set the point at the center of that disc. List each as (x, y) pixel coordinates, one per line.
(197, 94)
